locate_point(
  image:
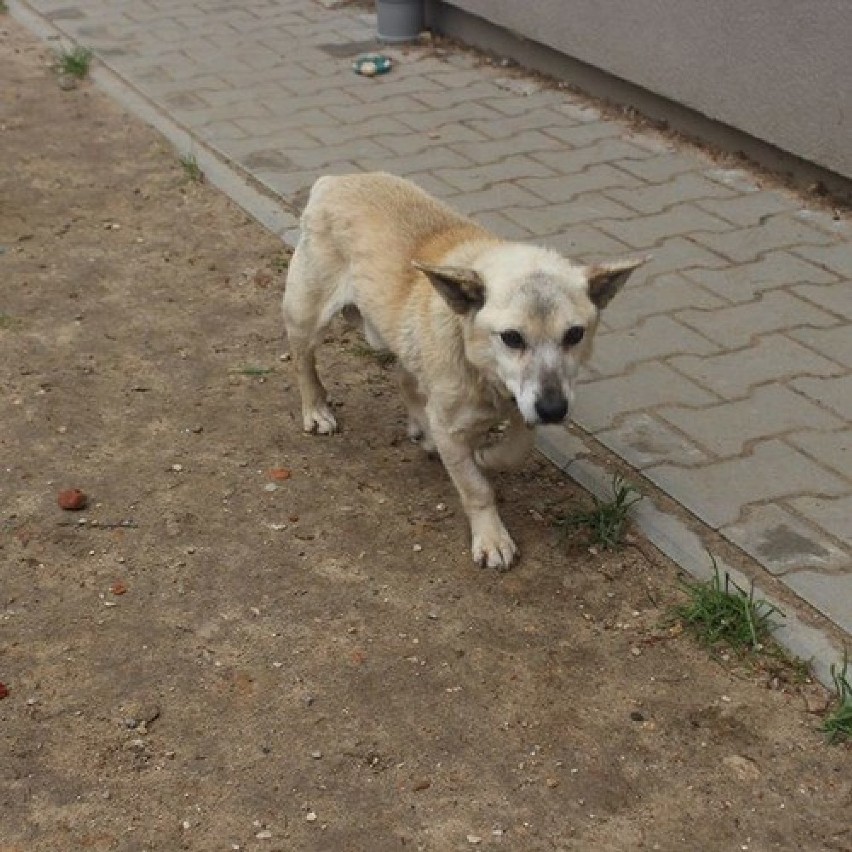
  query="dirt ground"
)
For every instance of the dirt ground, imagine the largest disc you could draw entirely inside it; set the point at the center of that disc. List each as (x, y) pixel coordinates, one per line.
(212, 658)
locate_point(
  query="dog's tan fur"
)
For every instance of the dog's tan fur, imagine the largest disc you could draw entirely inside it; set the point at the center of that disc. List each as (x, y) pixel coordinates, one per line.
(445, 296)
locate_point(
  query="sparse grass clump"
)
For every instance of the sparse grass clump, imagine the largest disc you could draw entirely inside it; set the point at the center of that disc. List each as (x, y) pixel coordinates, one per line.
(191, 168)
(720, 612)
(74, 62)
(281, 261)
(607, 519)
(838, 724)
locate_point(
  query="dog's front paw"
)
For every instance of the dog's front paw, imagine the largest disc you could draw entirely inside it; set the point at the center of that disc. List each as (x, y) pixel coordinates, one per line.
(493, 547)
(319, 420)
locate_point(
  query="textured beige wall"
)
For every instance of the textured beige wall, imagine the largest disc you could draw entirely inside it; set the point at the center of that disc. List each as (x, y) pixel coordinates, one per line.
(780, 70)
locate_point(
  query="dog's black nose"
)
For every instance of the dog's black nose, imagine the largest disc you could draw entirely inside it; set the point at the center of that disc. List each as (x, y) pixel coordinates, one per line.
(551, 407)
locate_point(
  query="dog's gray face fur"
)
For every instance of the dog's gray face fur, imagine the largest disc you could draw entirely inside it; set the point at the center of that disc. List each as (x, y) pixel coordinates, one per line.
(531, 319)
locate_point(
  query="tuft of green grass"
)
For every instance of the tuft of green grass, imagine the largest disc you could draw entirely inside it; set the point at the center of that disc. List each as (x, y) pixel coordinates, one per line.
(191, 168)
(74, 62)
(838, 724)
(607, 519)
(720, 612)
(281, 261)
(3, 7)
(7, 321)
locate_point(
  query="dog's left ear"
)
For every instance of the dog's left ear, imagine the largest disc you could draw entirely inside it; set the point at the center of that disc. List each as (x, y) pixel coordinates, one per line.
(463, 289)
(606, 279)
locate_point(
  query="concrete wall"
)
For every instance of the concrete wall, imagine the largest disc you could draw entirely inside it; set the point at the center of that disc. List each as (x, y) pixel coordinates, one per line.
(779, 70)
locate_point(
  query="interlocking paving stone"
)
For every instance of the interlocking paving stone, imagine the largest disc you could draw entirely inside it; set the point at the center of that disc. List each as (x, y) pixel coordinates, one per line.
(837, 258)
(471, 178)
(679, 254)
(569, 161)
(832, 515)
(717, 493)
(738, 325)
(644, 232)
(782, 541)
(660, 168)
(836, 393)
(566, 187)
(834, 343)
(833, 449)
(661, 294)
(600, 402)
(586, 208)
(654, 198)
(836, 298)
(741, 283)
(774, 357)
(747, 244)
(643, 440)
(484, 153)
(737, 179)
(725, 428)
(748, 210)
(649, 339)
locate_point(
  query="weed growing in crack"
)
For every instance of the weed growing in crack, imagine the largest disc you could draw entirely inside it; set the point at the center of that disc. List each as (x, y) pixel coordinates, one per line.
(191, 168)
(606, 520)
(720, 611)
(838, 724)
(74, 62)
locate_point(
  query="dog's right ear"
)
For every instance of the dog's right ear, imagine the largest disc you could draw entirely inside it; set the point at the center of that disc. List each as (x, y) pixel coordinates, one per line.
(462, 289)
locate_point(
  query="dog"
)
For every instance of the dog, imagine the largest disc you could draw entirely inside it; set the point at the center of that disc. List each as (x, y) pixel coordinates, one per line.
(485, 331)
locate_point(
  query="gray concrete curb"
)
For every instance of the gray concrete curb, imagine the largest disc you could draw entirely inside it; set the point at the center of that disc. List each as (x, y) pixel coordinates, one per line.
(570, 453)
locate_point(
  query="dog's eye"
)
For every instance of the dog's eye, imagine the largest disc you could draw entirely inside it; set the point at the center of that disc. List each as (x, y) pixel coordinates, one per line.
(573, 336)
(513, 339)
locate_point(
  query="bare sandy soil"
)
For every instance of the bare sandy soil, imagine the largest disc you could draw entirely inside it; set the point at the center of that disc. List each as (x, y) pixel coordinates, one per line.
(213, 657)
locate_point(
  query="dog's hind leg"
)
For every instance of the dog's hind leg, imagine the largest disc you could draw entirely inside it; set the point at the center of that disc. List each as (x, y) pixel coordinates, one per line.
(304, 320)
(418, 423)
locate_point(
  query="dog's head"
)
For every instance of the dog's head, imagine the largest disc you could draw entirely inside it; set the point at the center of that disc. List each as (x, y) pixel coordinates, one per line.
(530, 316)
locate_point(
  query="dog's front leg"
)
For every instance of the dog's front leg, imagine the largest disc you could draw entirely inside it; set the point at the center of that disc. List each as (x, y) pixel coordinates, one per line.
(491, 544)
(512, 448)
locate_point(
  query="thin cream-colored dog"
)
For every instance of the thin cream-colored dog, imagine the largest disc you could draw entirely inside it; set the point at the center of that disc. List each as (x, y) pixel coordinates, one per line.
(485, 331)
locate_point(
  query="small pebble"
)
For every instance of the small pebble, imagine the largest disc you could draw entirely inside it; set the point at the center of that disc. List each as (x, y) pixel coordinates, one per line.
(316, 755)
(265, 834)
(72, 499)
(310, 816)
(67, 82)
(417, 548)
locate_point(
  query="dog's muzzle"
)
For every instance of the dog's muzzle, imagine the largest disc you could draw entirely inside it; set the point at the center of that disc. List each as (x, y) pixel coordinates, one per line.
(551, 407)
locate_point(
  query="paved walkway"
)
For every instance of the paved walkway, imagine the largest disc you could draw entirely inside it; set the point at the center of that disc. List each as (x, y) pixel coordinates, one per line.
(724, 371)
